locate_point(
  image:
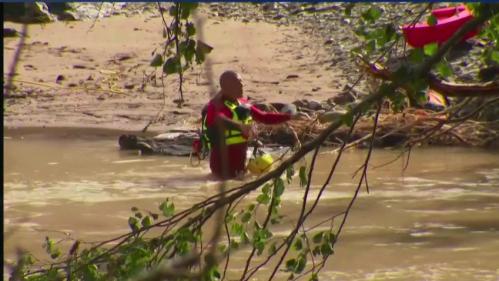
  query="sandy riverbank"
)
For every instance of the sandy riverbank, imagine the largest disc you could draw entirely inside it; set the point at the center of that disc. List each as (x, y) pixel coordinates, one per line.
(104, 67)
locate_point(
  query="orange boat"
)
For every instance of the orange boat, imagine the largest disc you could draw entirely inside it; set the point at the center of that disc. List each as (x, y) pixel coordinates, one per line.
(449, 20)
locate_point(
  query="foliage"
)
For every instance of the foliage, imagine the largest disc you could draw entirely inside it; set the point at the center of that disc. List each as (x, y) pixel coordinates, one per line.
(181, 50)
(138, 252)
(381, 42)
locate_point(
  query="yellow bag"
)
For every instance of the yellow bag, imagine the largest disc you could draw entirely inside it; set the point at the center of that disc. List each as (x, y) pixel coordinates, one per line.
(260, 164)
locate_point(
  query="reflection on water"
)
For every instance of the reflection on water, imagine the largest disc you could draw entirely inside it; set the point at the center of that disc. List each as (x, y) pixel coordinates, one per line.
(437, 220)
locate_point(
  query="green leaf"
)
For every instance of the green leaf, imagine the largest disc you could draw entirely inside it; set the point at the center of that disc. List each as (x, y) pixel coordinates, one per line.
(361, 31)
(203, 47)
(190, 29)
(49, 244)
(234, 245)
(201, 50)
(303, 176)
(331, 238)
(258, 227)
(154, 216)
(290, 171)
(134, 223)
(172, 65)
(326, 249)
(416, 55)
(167, 208)
(403, 73)
(266, 189)
(91, 272)
(230, 217)
(389, 33)
(300, 266)
(273, 248)
(188, 48)
(259, 246)
(245, 238)
(237, 229)
(314, 277)
(380, 37)
(52, 274)
(186, 234)
(157, 60)
(251, 207)
(246, 217)
(173, 10)
(421, 97)
(190, 51)
(371, 45)
(397, 101)
(216, 274)
(430, 49)
(27, 259)
(146, 221)
(263, 199)
(318, 237)
(347, 119)
(290, 265)
(222, 248)
(385, 90)
(418, 85)
(348, 9)
(316, 251)
(55, 254)
(265, 233)
(298, 244)
(444, 69)
(187, 8)
(495, 56)
(278, 187)
(431, 20)
(372, 14)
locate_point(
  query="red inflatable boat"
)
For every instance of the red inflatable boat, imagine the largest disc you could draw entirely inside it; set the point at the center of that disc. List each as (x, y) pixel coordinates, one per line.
(449, 20)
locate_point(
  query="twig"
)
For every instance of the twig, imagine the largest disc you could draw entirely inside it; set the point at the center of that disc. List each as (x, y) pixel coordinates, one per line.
(229, 243)
(364, 173)
(15, 61)
(96, 18)
(180, 71)
(300, 218)
(265, 223)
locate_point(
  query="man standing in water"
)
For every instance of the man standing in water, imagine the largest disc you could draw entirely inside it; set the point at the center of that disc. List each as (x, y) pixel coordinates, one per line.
(227, 124)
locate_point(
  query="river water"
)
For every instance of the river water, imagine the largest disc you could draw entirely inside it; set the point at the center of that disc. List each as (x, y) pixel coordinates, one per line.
(436, 220)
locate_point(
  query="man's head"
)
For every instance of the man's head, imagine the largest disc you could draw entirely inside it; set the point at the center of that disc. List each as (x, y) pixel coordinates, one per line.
(231, 84)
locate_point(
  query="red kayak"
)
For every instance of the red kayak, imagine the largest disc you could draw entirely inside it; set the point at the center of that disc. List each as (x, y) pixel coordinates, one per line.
(449, 20)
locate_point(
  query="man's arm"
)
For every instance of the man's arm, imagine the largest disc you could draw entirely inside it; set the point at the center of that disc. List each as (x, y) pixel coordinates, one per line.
(269, 118)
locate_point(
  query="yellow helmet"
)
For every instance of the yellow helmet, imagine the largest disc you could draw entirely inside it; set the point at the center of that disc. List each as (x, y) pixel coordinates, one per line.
(260, 163)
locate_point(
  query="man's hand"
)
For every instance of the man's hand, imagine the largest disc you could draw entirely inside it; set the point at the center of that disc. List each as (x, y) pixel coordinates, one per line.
(247, 131)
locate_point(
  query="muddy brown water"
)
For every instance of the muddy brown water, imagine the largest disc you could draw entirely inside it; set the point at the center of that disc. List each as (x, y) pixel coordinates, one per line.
(436, 220)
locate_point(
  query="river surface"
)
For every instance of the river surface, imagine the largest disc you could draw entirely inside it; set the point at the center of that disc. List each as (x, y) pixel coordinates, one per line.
(436, 220)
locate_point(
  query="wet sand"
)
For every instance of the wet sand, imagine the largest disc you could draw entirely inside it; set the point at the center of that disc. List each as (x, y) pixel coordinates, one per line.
(104, 67)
